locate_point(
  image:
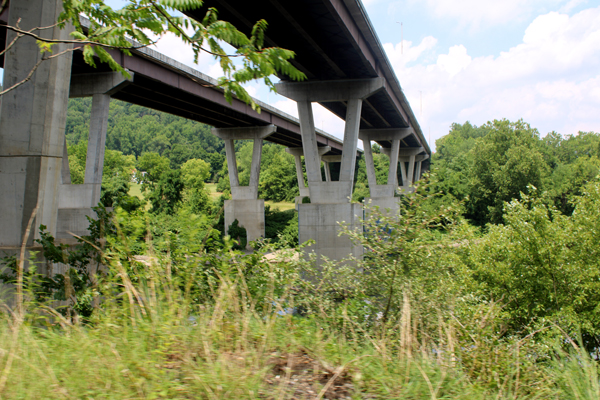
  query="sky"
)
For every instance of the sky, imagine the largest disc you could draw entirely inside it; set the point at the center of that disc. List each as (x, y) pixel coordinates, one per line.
(478, 60)
(475, 60)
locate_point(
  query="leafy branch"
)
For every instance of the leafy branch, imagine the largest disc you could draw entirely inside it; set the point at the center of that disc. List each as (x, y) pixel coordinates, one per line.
(142, 23)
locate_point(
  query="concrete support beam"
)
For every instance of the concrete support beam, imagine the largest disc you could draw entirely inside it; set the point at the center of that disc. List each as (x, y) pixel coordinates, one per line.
(385, 134)
(32, 124)
(86, 85)
(245, 133)
(410, 151)
(244, 205)
(324, 91)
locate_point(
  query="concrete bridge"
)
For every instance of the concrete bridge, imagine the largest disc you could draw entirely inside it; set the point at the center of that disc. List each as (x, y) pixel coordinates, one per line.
(347, 72)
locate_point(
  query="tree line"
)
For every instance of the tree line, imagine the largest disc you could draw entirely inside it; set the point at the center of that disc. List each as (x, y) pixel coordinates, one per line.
(482, 167)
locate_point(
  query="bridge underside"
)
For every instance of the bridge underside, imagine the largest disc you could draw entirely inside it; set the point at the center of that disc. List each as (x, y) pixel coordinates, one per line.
(347, 73)
(333, 40)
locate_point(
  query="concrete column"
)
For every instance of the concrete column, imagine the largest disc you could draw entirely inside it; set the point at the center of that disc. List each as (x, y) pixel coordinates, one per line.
(327, 171)
(234, 180)
(403, 173)
(393, 172)
(244, 204)
(369, 163)
(309, 142)
(76, 201)
(96, 144)
(256, 156)
(300, 176)
(411, 170)
(353, 110)
(32, 124)
(66, 169)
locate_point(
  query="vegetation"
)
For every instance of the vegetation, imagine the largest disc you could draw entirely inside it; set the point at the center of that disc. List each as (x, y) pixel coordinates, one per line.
(484, 286)
(427, 314)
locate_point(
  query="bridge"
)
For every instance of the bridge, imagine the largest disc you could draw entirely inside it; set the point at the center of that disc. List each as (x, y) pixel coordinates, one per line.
(348, 73)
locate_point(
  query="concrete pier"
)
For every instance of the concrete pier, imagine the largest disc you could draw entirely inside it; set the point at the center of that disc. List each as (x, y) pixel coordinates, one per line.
(330, 200)
(32, 124)
(245, 205)
(76, 201)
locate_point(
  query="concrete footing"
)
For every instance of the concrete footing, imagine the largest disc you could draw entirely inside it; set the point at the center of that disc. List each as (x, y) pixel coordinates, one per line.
(389, 205)
(250, 215)
(321, 223)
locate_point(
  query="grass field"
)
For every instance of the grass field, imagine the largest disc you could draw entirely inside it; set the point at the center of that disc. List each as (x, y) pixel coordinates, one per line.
(136, 190)
(281, 206)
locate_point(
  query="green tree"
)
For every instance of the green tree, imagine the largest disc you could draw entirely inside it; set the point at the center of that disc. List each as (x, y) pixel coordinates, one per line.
(194, 173)
(167, 193)
(503, 163)
(151, 167)
(278, 180)
(543, 265)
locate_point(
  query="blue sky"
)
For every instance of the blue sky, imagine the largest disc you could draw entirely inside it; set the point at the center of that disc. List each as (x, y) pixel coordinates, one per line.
(476, 60)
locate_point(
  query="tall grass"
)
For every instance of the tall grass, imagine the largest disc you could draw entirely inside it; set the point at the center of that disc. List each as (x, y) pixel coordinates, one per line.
(149, 339)
(177, 323)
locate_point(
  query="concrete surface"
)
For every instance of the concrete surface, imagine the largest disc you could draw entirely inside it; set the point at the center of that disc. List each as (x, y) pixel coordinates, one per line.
(32, 124)
(320, 222)
(250, 215)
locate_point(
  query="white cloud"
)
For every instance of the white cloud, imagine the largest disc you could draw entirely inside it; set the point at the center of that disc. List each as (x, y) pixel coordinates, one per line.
(475, 13)
(551, 79)
(455, 61)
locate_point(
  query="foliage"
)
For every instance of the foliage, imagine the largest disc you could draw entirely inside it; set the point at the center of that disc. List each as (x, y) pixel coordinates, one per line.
(544, 266)
(279, 224)
(144, 20)
(238, 234)
(435, 310)
(167, 192)
(490, 165)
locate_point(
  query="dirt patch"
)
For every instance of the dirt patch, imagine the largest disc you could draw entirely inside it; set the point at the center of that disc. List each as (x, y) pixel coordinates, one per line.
(299, 376)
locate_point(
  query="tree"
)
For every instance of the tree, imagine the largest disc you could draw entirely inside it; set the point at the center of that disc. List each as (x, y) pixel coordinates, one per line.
(502, 164)
(194, 173)
(141, 23)
(278, 180)
(150, 167)
(543, 265)
(167, 193)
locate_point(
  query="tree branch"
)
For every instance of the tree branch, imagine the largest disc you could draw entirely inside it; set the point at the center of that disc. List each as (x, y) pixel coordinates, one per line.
(186, 37)
(33, 69)
(74, 41)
